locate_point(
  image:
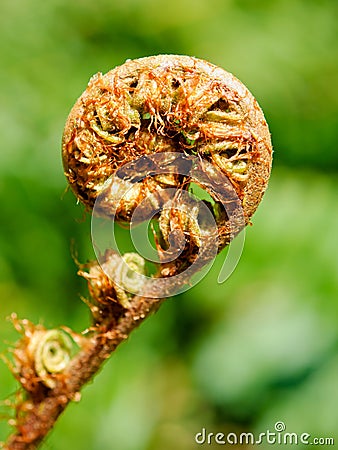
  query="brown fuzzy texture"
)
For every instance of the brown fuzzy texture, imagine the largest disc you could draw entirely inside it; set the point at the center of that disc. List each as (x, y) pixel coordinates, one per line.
(167, 103)
(162, 103)
(38, 412)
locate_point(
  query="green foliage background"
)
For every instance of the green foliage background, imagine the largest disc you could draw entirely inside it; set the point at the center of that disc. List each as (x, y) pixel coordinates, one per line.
(240, 356)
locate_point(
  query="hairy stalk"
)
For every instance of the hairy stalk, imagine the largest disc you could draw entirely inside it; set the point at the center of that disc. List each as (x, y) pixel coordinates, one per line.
(46, 405)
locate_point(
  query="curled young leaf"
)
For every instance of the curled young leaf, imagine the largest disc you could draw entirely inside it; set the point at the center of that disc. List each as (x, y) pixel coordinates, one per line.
(166, 103)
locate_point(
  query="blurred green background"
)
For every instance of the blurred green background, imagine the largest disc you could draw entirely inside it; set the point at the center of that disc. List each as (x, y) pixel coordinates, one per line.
(263, 346)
